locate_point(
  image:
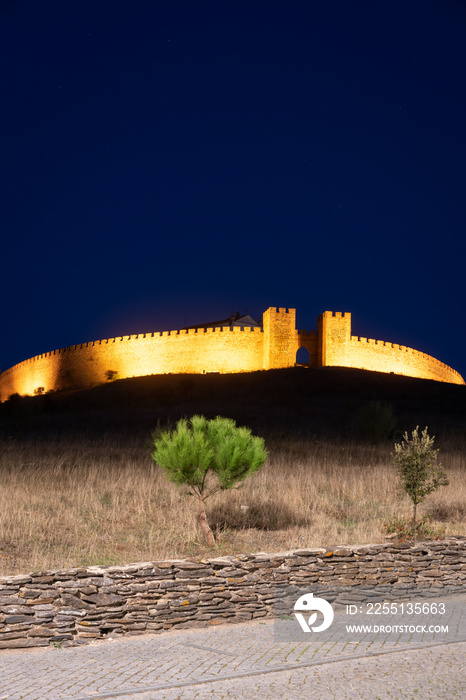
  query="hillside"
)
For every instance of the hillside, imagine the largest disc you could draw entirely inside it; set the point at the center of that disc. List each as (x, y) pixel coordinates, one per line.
(309, 403)
(79, 486)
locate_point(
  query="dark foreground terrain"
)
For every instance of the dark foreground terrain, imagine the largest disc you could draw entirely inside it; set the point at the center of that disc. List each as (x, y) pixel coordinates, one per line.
(79, 486)
(327, 403)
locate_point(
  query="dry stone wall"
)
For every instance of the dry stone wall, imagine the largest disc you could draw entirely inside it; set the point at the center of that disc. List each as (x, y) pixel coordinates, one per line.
(73, 605)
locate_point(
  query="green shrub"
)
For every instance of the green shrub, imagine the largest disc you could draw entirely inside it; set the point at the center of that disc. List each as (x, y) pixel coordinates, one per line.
(420, 474)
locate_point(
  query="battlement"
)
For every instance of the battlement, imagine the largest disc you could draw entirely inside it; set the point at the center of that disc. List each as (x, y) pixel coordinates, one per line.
(383, 356)
(280, 310)
(223, 349)
(337, 314)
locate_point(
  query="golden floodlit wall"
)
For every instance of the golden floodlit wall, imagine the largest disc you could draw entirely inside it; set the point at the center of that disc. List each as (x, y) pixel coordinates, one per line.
(222, 350)
(177, 352)
(339, 348)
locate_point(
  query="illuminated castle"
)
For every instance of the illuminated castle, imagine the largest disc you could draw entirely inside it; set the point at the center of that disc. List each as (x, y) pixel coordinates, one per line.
(236, 344)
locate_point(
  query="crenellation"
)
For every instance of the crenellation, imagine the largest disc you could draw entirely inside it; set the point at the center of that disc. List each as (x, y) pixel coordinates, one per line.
(397, 359)
(221, 349)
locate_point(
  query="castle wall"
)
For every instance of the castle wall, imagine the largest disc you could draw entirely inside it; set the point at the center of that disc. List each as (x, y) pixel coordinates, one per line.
(233, 349)
(177, 352)
(340, 348)
(381, 356)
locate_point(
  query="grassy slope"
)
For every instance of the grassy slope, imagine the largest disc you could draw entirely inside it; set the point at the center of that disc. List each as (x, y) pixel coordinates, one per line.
(78, 485)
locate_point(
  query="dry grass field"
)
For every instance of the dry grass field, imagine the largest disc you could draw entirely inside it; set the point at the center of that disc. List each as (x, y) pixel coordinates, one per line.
(73, 493)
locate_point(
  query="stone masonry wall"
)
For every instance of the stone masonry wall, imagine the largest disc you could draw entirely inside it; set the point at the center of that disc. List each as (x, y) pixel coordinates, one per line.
(381, 356)
(177, 352)
(47, 607)
(218, 350)
(280, 338)
(339, 348)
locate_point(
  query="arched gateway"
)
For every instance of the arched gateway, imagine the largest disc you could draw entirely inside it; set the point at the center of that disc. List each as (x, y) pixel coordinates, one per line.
(237, 344)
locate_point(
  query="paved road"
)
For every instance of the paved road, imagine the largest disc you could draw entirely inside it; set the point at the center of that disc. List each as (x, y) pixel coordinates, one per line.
(242, 660)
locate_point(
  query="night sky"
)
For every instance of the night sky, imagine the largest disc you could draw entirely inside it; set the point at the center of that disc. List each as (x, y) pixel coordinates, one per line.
(165, 163)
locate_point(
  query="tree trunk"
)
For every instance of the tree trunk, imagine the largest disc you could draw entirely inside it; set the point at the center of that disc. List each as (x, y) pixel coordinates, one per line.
(414, 522)
(209, 535)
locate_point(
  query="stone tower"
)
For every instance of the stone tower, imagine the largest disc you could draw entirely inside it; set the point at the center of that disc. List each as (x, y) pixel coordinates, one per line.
(280, 338)
(334, 335)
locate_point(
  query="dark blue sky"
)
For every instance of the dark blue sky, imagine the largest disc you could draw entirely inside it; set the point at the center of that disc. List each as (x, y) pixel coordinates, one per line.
(164, 163)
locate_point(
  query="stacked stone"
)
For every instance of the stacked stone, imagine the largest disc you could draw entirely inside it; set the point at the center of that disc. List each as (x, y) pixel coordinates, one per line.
(55, 607)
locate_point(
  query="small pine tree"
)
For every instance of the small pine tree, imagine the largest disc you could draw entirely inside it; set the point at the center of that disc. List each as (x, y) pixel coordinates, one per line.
(200, 449)
(419, 472)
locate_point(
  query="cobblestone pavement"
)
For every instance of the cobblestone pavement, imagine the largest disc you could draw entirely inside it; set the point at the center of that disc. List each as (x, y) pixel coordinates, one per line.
(241, 660)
